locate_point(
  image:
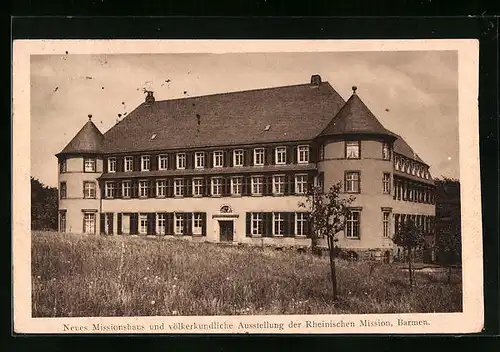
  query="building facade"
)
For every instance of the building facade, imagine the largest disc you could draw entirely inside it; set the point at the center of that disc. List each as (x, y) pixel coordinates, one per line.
(234, 167)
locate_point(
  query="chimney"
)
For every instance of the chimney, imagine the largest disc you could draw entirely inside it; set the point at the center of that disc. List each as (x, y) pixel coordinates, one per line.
(150, 99)
(315, 80)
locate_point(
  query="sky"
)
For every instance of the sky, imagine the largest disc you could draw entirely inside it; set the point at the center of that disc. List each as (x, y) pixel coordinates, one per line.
(414, 94)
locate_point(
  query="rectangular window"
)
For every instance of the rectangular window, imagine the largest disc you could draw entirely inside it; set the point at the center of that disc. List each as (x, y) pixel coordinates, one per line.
(197, 187)
(280, 155)
(199, 160)
(112, 165)
(62, 190)
(179, 187)
(161, 188)
(128, 164)
(62, 166)
(179, 224)
(236, 185)
(238, 157)
(162, 162)
(386, 223)
(145, 163)
(351, 182)
(300, 224)
(143, 224)
(322, 151)
(89, 165)
(126, 189)
(181, 160)
(197, 224)
(257, 224)
(279, 228)
(386, 151)
(216, 186)
(257, 185)
(62, 221)
(89, 223)
(386, 183)
(279, 184)
(109, 188)
(300, 184)
(143, 188)
(160, 224)
(303, 154)
(352, 225)
(88, 189)
(352, 149)
(218, 159)
(258, 156)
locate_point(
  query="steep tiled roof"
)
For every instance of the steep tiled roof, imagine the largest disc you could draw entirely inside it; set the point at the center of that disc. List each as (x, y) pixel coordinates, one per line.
(401, 147)
(355, 118)
(88, 140)
(291, 113)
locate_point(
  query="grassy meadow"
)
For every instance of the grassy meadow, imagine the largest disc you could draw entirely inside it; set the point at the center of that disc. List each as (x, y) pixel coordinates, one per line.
(78, 275)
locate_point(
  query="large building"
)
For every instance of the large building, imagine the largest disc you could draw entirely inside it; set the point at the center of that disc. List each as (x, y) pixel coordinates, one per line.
(233, 167)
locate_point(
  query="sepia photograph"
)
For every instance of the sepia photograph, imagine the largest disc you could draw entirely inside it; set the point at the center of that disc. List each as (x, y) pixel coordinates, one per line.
(263, 190)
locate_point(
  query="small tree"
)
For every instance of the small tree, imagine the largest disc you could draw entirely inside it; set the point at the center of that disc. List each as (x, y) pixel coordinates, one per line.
(409, 236)
(449, 245)
(328, 212)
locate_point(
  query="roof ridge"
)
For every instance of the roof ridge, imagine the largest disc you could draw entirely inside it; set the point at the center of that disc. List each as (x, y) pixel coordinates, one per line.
(239, 91)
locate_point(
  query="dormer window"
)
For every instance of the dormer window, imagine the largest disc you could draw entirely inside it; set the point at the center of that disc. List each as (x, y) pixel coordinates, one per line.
(89, 165)
(128, 163)
(258, 156)
(280, 155)
(199, 160)
(112, 165)
(218, 159)
(181, 160)
(145, 163)
(303, 154)
(386, 151)
(352, 149)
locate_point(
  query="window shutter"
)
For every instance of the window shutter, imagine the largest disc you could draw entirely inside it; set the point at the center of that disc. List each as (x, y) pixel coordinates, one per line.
(149, 230)
(101, 221)
(291, 224)
(207, 186)
(151, 189)
(210, 160)
(227, 158)
(227, 186)
(111, 222)
(268, 185)
(203, 224)
(286, 223)
(169, 226)
(134, 224)
(248, 156)
(248, 225)
(313, 153)
(310, 180)
(137, 163)
(269, 156)
(188, 186)
(153, 160)
(268, 224)
(102, 188)
(119, 223)
(170, 187)
(189, 160)
(294, 155)
(134, 188)
(105, 164)
(188, 223)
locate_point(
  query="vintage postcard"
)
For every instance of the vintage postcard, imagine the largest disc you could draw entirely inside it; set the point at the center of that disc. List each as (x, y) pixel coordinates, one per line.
(211, 186)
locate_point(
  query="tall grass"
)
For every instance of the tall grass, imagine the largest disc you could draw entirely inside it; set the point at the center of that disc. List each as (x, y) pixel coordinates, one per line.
(76, 275)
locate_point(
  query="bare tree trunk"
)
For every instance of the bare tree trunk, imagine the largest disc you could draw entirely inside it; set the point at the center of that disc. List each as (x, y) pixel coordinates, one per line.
(410, 269)
(332, 267)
